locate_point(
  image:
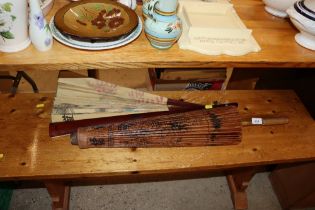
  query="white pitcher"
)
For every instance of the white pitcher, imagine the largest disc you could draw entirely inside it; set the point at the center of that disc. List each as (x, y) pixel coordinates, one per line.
(13, 25)
(40, 33)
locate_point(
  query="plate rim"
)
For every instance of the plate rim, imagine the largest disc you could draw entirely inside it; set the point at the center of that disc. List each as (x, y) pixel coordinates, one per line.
(62, 27)
(128, 39)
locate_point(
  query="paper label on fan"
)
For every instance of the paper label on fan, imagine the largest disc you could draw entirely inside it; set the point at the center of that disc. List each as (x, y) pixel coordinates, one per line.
(257, 121)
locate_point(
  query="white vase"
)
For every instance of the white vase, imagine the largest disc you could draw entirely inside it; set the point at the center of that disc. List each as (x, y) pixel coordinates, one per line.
(13, 25)
(40, 33)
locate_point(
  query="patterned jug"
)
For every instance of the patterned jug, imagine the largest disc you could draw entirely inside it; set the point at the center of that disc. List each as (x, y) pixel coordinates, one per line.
(13, 25)
(163, 7)
(40, 33)
(163, 30)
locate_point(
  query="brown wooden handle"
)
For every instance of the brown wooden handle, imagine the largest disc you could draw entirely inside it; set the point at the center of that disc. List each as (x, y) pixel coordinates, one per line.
(275, 121)
(267, 121)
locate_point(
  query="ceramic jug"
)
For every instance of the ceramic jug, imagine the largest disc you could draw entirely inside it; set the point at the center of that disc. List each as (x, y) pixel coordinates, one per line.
(40, 33)
(163, 31)
(13, 25)
(163, 7)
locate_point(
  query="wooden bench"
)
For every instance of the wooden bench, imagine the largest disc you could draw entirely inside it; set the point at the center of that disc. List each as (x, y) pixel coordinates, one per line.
(30, 154)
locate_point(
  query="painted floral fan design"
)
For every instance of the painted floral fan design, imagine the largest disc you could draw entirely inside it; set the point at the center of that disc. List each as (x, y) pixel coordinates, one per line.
(88, 98)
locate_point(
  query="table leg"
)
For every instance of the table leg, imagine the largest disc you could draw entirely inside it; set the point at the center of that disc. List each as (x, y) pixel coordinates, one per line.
(238, 181)
(59, 193)
(229, 72)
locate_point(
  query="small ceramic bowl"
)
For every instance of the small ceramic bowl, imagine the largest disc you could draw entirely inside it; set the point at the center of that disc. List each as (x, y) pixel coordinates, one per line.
(46, 6)
(304, 21)
(278, 7)
(306, 8)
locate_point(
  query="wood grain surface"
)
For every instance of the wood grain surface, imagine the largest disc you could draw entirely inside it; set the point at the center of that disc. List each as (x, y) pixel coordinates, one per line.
(274, 35)
(29, 153)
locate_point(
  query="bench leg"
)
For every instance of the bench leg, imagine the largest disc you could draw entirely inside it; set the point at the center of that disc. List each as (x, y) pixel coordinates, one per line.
(59, 193)
(238, 181)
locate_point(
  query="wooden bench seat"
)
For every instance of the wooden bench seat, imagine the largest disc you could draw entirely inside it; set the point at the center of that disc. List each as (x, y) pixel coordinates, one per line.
(30, 154)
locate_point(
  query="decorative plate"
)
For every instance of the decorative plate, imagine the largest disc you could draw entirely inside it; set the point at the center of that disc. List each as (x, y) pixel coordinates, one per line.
(96, 19)
(95, 45)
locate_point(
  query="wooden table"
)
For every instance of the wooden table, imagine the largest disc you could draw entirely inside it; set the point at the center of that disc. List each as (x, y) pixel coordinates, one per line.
(274, 35)
(29, 153)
